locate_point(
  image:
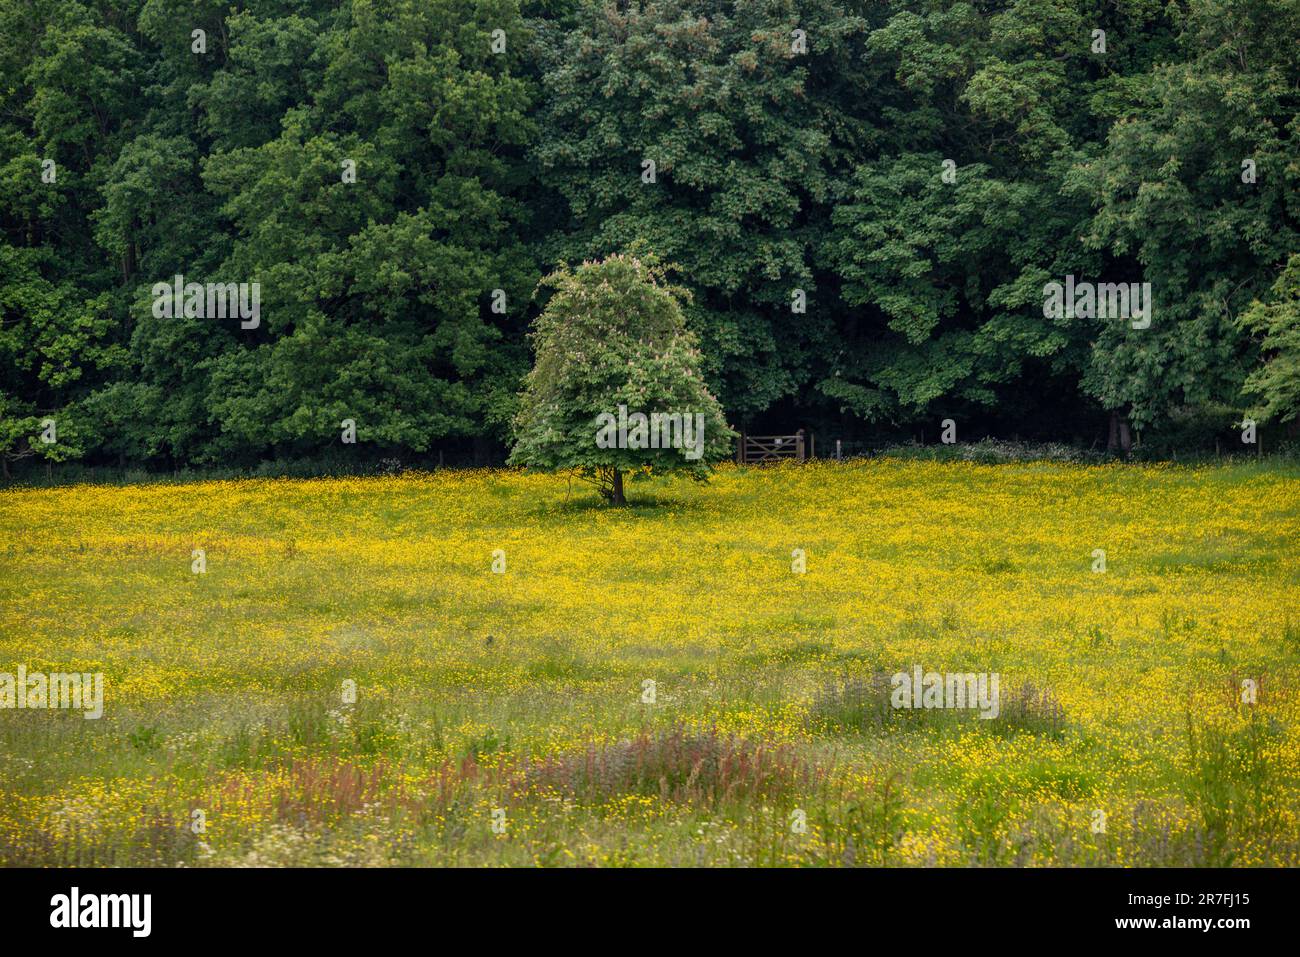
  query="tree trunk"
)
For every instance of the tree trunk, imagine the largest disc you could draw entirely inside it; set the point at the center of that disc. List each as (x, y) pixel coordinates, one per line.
(616, 490)
(1112, 442)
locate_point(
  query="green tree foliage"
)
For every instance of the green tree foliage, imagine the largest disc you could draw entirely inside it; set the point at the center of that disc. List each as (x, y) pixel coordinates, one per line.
(945, 238)
(1277, 383)
(613, 335)
(748, 128)
(865, 202)
(378, 291)
(1177, 204)
(235, 164)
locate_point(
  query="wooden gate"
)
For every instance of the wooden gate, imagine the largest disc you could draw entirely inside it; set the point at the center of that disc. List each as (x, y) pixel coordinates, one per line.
(770, 448)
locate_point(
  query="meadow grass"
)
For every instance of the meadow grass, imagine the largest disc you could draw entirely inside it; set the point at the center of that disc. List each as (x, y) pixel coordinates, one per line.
(522, 692)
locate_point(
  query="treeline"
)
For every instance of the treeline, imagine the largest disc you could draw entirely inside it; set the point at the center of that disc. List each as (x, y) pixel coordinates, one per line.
(866, 200)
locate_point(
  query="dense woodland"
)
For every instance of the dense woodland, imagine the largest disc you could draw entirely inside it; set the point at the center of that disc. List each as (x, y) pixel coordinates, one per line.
(865, 201)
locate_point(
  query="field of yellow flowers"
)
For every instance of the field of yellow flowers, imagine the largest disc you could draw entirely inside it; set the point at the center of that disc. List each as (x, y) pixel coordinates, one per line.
(487, 667)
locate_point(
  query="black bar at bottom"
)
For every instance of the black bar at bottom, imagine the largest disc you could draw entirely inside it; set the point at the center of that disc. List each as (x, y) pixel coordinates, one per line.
(333, 907)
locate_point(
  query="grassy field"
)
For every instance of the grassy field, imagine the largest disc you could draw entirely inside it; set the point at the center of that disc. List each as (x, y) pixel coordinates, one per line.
(505, 718)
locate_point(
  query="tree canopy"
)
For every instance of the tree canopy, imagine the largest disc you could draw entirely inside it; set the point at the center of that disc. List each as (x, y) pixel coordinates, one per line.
(865, 202)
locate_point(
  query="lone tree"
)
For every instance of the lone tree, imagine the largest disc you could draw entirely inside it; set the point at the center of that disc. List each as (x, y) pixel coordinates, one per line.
(617, 386)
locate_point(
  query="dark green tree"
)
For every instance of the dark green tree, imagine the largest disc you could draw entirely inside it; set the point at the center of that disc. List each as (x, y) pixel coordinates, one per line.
(1198, 192)
(747, 112)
